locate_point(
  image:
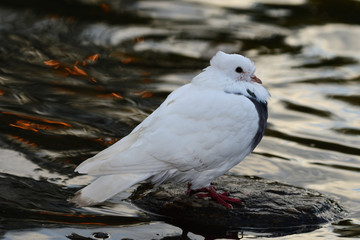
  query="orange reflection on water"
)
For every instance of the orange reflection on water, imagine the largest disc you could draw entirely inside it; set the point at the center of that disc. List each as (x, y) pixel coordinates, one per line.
(53, 63)
(127, 60)
(66, 69)
(79, 216)
(2, 92)
(110, 95)
(89, 59)
(53, 17)
(76, 71)
(105, 7)
(27, 123)
(24, 125)
(93, 58)
(139, 39)
(144, 94)
(22, 140)
(107, 142)
(145, 77)
(117, 95)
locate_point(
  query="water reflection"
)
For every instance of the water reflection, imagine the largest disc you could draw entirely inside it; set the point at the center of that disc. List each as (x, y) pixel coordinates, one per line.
(328, 41)
(77, 76)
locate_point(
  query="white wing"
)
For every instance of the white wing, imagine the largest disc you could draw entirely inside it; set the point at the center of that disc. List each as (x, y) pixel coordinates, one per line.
(193, 129)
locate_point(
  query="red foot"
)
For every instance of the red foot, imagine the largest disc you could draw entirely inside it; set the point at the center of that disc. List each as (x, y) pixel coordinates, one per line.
(221, 198)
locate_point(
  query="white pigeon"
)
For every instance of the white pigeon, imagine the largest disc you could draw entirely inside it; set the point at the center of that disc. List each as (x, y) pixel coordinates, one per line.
(197, 134)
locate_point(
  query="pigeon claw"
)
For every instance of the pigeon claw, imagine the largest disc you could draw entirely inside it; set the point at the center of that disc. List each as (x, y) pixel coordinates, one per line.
(221, 198)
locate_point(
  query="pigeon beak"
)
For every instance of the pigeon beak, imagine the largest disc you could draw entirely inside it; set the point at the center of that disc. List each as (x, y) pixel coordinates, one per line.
(255, 79)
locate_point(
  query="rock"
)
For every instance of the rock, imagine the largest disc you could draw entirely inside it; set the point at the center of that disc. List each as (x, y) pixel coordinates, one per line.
(268, 207)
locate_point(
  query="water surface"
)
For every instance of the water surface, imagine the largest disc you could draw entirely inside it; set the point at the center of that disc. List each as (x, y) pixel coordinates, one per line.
(76, 76)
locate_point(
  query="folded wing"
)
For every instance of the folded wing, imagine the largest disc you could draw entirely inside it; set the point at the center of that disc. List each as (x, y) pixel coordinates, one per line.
(193, 132)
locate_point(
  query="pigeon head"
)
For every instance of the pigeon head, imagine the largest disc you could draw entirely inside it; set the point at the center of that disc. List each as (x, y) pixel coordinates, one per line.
(235, 67)
(232, 73)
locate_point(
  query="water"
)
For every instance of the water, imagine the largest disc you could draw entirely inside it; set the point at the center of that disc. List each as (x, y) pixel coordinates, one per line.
(76, 76)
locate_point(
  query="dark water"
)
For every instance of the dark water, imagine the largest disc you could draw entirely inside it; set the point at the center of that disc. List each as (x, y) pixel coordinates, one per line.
(76, 76)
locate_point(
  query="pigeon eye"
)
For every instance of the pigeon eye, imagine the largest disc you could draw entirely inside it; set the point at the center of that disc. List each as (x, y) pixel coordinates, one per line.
(239, 70)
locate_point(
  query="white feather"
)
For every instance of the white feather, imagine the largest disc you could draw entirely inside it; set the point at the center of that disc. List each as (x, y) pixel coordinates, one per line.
(106, 187)
(197, 134)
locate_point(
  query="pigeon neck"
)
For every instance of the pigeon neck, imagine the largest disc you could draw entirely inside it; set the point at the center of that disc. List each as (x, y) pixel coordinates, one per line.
(261, 108)
(250, 90)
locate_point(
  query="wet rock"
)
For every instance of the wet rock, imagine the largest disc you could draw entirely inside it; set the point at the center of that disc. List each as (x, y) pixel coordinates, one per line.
(268, 206)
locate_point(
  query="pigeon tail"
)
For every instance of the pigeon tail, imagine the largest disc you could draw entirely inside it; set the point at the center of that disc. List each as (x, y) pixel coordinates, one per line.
(106, 187)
